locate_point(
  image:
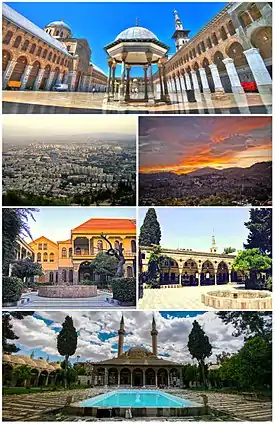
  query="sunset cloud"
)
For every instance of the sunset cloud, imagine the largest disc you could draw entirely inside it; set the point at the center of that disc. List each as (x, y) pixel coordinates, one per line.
(184, 144)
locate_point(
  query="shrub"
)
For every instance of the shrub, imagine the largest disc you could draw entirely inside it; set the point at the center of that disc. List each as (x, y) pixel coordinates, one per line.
(124, 289)
(12, 288)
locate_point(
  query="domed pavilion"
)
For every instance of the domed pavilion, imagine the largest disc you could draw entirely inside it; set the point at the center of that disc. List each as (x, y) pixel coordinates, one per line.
(137, 367)
(136, 46)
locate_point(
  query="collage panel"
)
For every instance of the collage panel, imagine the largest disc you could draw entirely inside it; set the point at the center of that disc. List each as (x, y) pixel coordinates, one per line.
(205, 161)
(218, 63)
(74, 258)
(205, 258)
(138, 366)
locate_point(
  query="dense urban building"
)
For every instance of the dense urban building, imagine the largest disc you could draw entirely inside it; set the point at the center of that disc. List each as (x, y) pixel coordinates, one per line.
(67, 261)
(37, 59)
(234, 47)
(186, 267)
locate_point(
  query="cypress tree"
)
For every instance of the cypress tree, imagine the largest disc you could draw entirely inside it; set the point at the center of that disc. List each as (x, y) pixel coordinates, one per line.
(150, 232)
(199, 347)
(260, 230)
(67, 342)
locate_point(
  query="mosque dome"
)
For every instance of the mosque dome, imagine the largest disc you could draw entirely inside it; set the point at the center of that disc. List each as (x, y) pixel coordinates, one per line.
(136, 32)
(41, 363)
(138, 352)
(27, 360)
(16, 360)
(59, 24)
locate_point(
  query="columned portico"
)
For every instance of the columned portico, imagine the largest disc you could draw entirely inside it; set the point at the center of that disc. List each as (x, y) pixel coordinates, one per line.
(258, 69)
(216, 78)
(233, 76)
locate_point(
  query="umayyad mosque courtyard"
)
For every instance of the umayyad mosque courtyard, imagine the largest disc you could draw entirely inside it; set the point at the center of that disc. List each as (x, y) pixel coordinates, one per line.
(223, 67)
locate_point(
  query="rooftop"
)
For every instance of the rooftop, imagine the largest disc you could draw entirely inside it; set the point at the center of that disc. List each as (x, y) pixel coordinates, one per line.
(107, 225)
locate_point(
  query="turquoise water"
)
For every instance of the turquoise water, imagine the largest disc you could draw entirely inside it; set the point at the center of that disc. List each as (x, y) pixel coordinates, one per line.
(137, 399)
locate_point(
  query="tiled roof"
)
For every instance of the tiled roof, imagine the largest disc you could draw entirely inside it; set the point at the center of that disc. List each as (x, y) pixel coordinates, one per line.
(28, 26)
(107, 225)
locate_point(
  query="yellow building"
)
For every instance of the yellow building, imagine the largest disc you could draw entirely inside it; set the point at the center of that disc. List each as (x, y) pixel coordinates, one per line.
(68, 261)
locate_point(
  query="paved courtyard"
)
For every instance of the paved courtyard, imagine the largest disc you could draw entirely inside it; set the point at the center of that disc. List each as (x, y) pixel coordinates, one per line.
(71, 102)
(35, 407)
(188, 298)
(102, 300)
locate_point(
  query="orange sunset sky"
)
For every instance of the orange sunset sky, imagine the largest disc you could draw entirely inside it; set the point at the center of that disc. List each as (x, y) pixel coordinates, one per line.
(187, 143)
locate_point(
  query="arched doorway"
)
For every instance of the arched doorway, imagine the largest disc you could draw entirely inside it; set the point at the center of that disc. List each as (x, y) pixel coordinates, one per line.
(125, 377)
(196, 69)
(150, 377)
(129, 272)
(162, 377)
(19, 69)
(6, 57)
(205, 65)
(112, 377)
(137, 377)
(85, 272)
(223, 273)
(207, 274)
(56, 73)
(174, 376)
(100, 377)
(261, 38)
(45, 77)
(42, 378)
(169, 271)
(218, 60)
(34, 377)
(6, 374)
(71, 276)
(190, 273)
(81, 246)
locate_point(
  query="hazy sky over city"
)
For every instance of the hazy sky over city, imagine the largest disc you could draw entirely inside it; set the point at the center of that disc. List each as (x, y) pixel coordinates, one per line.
(185, 144)
(29, 128)
(192, 228)
(97, 333)
(57, 223)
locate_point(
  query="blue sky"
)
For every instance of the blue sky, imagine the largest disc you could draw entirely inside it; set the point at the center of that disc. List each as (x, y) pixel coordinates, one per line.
(97, 333)
(192, 228)
(100, 23)
(57, 223)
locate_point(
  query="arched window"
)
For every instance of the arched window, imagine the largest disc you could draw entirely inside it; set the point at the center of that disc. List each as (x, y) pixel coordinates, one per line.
(99, 245)
(133, 246)
(38, 257)
(245, 19)
(51, 257)
(32, 49)
(254, 12)
(230, 28)
(8, 37)
(71, 276)
(64, 252)
(58, 60)
(25, 45)
(223, 33)
(57, 33)
(45, 257)
(129, 272)
(77, 251)
(116, 245)
(51, 277)
(214, 39)
(17, 41)
(61, 34)
(208, 42)
(62, 61)
(39, 246)
(70, 252)
(203, 46)
(64, 275)
(50, 56)
(44, 53)
(54, 58)
(39, 50)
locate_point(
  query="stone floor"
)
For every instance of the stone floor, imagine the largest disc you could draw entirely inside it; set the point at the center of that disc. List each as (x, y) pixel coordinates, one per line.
(70, 102)
(48, 406)
(188, 298)
(103, 300)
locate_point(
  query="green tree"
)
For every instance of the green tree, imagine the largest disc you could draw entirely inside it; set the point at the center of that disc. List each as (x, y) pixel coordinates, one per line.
(248, 323)
(23, 374)
(8, 334)
(67, 342)
(252, 262)
(189, 374)
(199, 347)
(260, 230)
(14, 224)
(105, 265)
(150, 232)
(228, 250)
(26, 269)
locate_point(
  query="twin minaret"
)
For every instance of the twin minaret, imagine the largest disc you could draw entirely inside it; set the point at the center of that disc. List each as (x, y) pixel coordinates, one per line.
(121, 333)
(180, 35)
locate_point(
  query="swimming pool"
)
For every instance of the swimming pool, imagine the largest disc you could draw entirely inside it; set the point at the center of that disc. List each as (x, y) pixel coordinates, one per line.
(137, 399)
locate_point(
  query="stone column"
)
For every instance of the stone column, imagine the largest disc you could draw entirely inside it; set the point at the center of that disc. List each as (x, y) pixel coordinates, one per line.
(49, 82)
(195, 81)
(8, 72)
(204, 81)
(113, 79)
(233, 75)
(168, 378)
(122, 78)
(145, 67)
(131, 379)
(72, 80)
(156, 378)
(127, 94)
(182, 83)
(180, 275)
(216, 78)
(229, 275)
(59, 78)
(258, 69)
(109, 94)
(143, 382)
(25, 77)
(175, 84)
(47, 380)
(118, 378)
(65, 80)
(38, 79)
(166, 93)
(160, 82)
(215, 276)
(199, 278)
(75, 275)
(178, 84)
(105, 377)
(188, 82)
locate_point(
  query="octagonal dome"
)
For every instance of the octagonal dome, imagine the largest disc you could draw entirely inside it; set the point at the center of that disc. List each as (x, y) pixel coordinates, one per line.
(60, 24)
(137, 352)
(136, 32)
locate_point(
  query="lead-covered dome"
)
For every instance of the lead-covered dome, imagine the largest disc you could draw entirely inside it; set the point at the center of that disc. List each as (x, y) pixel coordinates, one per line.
(136, 32)
(60, 24)
(137, 352)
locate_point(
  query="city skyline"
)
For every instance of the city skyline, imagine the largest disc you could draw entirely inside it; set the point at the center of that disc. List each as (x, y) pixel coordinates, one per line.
(186, 144)
(98, 333)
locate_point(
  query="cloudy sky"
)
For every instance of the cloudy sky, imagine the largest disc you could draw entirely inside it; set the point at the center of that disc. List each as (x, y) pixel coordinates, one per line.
(97, 333)
(51, 128)
(184, 144)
